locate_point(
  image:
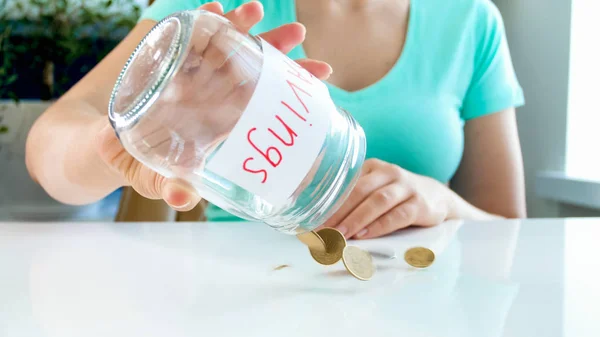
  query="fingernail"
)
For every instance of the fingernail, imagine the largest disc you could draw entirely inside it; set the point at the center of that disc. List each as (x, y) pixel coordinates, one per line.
(182, 206)
(362, 233)
(177, 196)
(342, 230)
(181, 202)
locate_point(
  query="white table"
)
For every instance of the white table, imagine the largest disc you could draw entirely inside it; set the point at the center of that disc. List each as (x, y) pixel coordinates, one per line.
(508, 278)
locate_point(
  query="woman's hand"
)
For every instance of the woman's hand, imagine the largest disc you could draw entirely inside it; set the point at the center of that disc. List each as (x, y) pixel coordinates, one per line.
(387, 198)
(128, 171)
(285, 38)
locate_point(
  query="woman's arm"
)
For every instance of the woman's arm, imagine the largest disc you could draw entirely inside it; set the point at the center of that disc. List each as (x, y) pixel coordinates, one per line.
(490, 176)
(61, 147)
(72, 151)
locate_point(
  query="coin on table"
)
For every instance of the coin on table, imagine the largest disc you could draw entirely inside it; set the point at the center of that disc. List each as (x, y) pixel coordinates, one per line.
(358, 262)
(335, 242)
(312, 240)
(419, 257)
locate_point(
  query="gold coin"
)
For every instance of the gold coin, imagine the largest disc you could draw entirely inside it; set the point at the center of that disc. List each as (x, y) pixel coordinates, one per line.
(358, 262)
(419, 257)
(312, 240)
(335, 242)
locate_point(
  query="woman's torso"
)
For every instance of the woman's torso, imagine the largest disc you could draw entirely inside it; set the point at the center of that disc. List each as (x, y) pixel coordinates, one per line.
(412, 115)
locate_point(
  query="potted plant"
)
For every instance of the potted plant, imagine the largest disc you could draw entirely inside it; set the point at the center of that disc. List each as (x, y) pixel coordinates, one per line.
(46, 46)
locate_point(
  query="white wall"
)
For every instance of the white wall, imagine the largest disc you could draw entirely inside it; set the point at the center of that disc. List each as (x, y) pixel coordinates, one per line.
(538, 33)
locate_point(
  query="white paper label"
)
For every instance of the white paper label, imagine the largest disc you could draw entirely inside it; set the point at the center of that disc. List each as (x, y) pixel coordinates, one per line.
(280, 134)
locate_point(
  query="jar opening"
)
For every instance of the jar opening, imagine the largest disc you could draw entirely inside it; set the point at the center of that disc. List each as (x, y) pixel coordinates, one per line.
(148, 69)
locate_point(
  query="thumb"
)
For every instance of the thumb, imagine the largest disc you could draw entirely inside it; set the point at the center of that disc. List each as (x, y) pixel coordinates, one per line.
(179, 195)
(110, 151)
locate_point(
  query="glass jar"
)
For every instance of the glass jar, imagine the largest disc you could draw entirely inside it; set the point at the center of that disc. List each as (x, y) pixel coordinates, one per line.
(253, 132)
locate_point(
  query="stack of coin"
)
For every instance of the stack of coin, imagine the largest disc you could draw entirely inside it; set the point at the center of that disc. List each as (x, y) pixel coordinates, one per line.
(328, 246)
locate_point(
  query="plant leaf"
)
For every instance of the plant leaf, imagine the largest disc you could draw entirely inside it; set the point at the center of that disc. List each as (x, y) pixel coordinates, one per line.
(14, 97)
(3, 129)
(11, 79)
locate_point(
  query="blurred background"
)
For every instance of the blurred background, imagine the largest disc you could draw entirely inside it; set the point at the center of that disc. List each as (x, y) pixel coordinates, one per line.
(48, 45)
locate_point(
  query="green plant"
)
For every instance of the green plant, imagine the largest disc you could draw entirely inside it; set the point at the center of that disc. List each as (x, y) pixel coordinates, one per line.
(56, 35)
(7, 75)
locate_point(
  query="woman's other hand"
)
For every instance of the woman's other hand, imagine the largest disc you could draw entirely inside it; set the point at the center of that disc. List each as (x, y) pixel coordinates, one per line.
(387, 198)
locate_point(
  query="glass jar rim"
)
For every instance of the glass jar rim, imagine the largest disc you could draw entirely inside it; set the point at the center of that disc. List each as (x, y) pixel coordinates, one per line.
(126, 119)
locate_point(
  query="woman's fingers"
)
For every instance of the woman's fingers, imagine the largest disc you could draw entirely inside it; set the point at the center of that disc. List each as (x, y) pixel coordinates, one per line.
(401, 216)
(365, 186)
(179, 196)
(246, 16)
(285, 37)
(214, 7)
(376, 205)
(319, 69)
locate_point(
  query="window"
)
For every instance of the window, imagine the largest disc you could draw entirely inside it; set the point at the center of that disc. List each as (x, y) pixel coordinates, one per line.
(583, 126)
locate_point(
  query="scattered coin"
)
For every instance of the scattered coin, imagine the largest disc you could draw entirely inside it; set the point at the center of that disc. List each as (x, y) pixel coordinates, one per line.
(419, 257)
(328, 245)
(312, 240)
(358, 262)
(335, 242)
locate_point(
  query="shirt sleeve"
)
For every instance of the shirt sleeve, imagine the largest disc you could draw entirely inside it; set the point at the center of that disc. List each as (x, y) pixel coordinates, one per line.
(494, 85)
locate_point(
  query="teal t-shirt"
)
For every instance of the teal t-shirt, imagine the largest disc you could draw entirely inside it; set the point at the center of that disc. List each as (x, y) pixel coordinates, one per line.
(455, 66)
